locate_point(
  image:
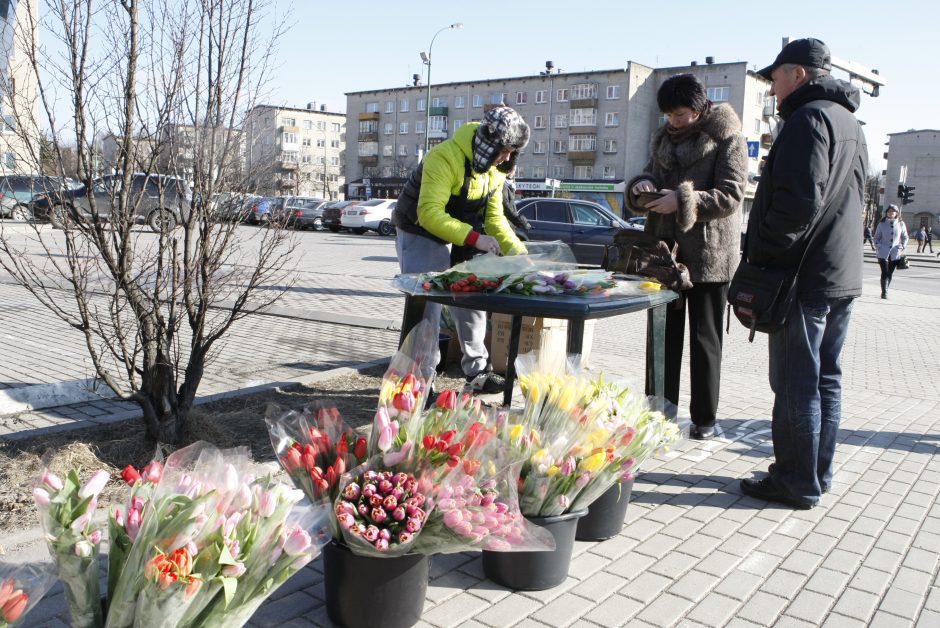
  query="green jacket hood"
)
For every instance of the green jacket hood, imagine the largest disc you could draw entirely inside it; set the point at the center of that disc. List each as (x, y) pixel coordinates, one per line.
(463, 137)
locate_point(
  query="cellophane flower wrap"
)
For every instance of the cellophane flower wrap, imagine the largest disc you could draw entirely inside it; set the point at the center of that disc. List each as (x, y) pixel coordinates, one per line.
(315, 447)
(217, 535)
(67, 512)
(22, 585)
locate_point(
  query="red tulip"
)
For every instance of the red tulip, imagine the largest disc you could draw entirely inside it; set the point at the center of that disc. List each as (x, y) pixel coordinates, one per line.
(14, 606)
(330, 476)
(153, 472)
(342, 446)
(447, 400)
(130, 475)
(410, 382)
(448, 436)
(292, 459)
(361, 448)
(405, 401)
(454, 450)
(339, 467)
(428, 442)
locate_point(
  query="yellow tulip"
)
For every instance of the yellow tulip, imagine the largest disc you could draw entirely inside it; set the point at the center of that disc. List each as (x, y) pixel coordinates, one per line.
(594, 462)
(552, 471)
(515, 433)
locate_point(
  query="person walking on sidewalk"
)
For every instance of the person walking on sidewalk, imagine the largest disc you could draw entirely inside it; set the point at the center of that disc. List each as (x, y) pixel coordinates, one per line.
(814, 177)
(928, 241)
(699, 159)
(890, 240)
(454, 198)
(921, 237)
(868, 237)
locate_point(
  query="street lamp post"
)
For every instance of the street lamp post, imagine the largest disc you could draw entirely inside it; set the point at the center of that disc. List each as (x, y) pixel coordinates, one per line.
(427, 105)
(549, 66)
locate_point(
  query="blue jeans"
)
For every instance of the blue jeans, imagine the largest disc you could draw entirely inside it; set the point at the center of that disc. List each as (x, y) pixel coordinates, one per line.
(806, 377)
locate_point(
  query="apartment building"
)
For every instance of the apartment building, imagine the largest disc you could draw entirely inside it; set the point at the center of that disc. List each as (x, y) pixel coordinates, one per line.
(916, 153)
(590, 130)
(292, 151)
(19, 128)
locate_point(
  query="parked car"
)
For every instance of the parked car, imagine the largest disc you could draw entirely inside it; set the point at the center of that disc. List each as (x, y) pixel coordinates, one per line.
(261, 210)
(588, 228)
(232, 206)
(305, 214)
(372, 215)
(22, 189)
(161, 201)
(9, 208)
(637, 222)
(333, 212)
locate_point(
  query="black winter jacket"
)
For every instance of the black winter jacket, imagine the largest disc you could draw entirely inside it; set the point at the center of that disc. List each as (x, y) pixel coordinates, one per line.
(815, 160)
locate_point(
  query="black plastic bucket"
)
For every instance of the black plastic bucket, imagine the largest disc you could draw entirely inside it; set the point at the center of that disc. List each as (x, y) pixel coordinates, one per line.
(536, 571)
(364, 592)
(605, 516)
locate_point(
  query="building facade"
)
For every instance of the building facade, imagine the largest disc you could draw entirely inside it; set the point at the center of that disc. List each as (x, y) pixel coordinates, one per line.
(590, 130)
(292, 151)
(19, 128)
(916, 153)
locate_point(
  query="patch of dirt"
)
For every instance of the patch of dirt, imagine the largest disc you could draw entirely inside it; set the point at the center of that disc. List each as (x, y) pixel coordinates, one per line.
(237, 421)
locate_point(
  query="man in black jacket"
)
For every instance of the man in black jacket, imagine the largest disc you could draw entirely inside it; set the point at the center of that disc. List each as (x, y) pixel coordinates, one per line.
(814, 178)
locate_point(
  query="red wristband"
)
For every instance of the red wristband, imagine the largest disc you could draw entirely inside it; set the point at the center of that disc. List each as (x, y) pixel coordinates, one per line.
(472, 238)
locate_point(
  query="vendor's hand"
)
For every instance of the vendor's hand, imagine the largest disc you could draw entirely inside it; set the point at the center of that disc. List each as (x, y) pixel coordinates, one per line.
(487, 244)
(643, 185)
(668, 204)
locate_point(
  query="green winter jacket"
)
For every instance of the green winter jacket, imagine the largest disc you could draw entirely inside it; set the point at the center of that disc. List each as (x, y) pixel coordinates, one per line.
(443, 177)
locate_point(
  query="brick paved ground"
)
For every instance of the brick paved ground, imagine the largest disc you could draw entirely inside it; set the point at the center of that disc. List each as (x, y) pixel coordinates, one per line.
(694, 551)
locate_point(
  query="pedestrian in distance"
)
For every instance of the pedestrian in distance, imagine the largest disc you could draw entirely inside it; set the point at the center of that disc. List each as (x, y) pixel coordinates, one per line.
(890, 240)
(928, 239)
(454, 200)
(868, 237)
(921, 237)
(814, 178)
(698, 160)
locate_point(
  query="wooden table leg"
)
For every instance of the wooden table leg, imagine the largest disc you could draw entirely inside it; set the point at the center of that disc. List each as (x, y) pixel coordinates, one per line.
(656, 354)
(514, 333)
(414, 312)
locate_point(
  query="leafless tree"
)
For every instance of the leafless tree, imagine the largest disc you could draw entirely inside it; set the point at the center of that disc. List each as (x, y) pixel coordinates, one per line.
(172, 81)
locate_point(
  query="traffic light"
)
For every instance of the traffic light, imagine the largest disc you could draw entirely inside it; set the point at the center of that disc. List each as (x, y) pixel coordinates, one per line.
(908, 195)
(900, 190)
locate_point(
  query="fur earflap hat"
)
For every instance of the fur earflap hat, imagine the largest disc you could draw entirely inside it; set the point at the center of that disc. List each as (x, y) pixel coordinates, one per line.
(500, 128)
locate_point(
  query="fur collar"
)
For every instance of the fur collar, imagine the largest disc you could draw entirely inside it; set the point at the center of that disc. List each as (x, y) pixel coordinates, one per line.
(720, 123)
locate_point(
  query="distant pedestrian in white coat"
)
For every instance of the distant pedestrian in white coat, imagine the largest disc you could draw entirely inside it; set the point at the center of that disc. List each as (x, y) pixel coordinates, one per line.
(890, 240)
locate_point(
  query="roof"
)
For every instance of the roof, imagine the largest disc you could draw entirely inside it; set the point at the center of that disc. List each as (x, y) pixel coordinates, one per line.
(303, 109)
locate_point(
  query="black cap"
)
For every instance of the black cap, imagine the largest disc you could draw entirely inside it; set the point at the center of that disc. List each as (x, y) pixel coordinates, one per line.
(810, 52)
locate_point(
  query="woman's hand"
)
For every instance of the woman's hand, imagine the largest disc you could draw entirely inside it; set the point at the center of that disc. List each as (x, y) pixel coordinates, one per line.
(668, 204)
(487, 244)
(643, 185)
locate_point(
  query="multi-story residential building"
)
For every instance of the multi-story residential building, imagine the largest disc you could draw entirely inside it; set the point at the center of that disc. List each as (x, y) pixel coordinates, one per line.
(296, 151)
(590, 130)
(19, 128)
(916, 153)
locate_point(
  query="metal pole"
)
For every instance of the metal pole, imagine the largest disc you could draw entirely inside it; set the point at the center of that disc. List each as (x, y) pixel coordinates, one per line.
(551, 94)
(427, 104)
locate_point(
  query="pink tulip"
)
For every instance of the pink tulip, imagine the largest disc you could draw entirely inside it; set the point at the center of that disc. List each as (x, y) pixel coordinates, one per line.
(385, 534)
(229, 479)
(372, 534)
(81, 523)
(488, 498)
(393, 459)
(233, 571)
(193, 550)
(345, 519)
(41, 497)
(153, 472)
(627, 477)
(369, 476)
(390, 503)
(297, 542)
(399, 514)
(83, 549)
(133, 523)
(463, 528)
(52, 481)
(345, 507)
(385, 487)
(379, 515)
(363, 509)
(447, 504)
(119, 517)
(94, 485)
(381, 545)
(404, 401)
(404, 537)
(564, 502)
(452, 518)
(582, 480)
(568, 466)
(627, 464)
(95, 537)
(352, 491)
(413, 525)
(495, 544)
(267, 503)
(367, 491)
(387, 429)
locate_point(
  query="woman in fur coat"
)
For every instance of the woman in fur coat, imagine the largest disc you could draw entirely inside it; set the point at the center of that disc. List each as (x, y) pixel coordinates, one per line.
(699, 160)
(890, 240)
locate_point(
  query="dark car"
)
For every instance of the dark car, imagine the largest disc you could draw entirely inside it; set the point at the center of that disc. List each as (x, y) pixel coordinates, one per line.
(301, 212)
(333, 212)
(160, 201)
(588, 228)
(22, 189)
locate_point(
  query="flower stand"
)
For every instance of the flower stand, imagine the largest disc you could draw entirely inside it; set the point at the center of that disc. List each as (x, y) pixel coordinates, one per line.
(605, 516)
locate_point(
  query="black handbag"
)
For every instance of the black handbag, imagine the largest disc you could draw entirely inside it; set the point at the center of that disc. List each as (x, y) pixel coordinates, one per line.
(761, 298)
(640, 253)
(903, 264)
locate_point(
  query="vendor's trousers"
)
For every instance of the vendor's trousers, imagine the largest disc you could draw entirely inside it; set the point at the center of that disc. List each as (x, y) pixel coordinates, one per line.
(417, 254)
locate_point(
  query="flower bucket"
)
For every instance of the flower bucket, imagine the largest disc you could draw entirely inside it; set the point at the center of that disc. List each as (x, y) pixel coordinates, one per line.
(365, 591)
(536, 571)
(605, 516)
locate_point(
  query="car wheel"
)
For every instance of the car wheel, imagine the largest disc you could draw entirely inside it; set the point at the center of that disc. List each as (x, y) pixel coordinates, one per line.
(359, 231)
(162, 221)
(318, 224)
(334, 229)
(386, 228)
(60, 216)
(21, 212)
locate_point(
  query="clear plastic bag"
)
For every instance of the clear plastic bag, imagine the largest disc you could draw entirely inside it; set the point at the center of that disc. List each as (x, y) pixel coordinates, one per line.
(24, 579)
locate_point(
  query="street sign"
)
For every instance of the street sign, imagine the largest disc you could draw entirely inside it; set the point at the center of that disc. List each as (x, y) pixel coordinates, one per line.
(753, 149)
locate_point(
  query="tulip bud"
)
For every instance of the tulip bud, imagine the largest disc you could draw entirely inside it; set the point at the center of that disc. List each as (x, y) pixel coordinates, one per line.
(94, 485)
(413, 525)
(233, 571)
(14, 606)
(41, 497)
(52, 481)
(399, 514)
(95, 537)
(130, 475)
(452, 518)
(153, 472)
(297, 542)
(385, 534)
(371, 534)
(447, 400)
(83, 549)
(133, 524)
(378, 514)
(345, 519)
(381, 545)
(361, 448)
(404, 537)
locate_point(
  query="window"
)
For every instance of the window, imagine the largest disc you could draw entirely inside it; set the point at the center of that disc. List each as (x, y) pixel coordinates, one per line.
(419, 126)
(610, 146)
(584, 172)
(719, 94)
(559, 146)
(757, 126)
(561, 95)
(403, 105)
(389, 106)
(289, 121)
(561, 121)
(460, 102)
(583, 117)
(582, 142)
(439, 101)
(522, 98)
(558, 172)
(540, 97)
(290, 138)
(386, 171)
(403, 150)
(612, 118)
(321, 125)
(613, 92)
(321, 142)
(368, 126)
(337, 127)
(438, 123)
(403, 128)
(305, 141)
(372, 107)
(419, 149)
(305, 159)
(477, 100)
(420, 104)
(538, 172)
(334, 143)
(457, 123)
(389, 128)
(539, 122)
(610, 172)
(539, 148)
(308, 124)
(368, 149)
(551, 212)
(498, 98)
(289, 157)
(334, 160)
(583, 90)
(587, 215)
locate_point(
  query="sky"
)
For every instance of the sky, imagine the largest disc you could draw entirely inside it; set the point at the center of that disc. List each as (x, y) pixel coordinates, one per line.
(336, 47)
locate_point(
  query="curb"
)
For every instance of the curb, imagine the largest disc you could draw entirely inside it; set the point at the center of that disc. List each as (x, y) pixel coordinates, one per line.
(38, 396)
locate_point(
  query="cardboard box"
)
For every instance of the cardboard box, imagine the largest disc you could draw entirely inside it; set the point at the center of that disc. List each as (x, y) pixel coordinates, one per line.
(537, 334)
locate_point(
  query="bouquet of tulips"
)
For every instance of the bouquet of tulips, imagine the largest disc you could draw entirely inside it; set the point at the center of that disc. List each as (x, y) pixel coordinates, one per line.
(210, 536)
(22, 585)
(66, 510)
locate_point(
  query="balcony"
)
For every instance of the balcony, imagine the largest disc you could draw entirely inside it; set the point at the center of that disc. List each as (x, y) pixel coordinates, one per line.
(288, 165)
(369, 160)
(581, 157)
(369, 137)
(289, 129)
(583, 103)
(582, 128)
(435, 134)
(438, 111)
(369, 115)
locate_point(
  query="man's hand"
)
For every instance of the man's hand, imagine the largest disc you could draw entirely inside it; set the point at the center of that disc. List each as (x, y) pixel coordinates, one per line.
(487, 244)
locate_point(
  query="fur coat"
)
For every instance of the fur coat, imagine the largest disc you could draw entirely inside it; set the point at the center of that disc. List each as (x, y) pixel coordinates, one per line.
(707, 167)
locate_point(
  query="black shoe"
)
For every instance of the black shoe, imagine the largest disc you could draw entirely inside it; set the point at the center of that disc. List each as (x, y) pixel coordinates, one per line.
(773, 466)
(702, 432)
(486, 381)
(766, 489)
(884, 295)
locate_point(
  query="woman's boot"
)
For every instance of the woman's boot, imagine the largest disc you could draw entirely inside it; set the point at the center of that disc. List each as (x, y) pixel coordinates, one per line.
(884, 287)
